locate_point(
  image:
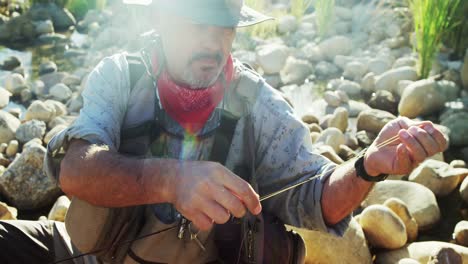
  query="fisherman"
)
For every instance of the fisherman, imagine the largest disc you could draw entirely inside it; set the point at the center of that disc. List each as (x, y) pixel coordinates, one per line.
(175, 147)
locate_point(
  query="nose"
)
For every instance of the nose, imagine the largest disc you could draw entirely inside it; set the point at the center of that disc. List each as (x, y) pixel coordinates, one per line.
(214, 38)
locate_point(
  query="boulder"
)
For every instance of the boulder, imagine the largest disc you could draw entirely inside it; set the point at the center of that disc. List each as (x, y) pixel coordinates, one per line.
(438, 176)
(421, 201)
(272, 57)
(336, 45)
(420, 251)
(401, 209)
(8, 126)
(389, 79)
(425, 97)
(373, 120)
(322, 247)
(24, 183)
(382, 227)
(296, 71)
(31, 129)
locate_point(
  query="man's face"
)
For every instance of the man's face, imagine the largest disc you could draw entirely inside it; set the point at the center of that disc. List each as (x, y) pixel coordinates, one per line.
(195, 53)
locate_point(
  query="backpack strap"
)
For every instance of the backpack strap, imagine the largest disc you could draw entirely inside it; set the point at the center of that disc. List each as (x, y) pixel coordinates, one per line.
(136, 68)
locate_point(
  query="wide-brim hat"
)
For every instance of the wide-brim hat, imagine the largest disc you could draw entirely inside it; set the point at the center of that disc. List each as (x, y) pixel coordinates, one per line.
(224, 13)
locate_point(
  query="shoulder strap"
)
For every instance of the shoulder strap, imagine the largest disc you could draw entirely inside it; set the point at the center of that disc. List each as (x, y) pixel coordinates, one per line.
(223, 137)
(136, 68)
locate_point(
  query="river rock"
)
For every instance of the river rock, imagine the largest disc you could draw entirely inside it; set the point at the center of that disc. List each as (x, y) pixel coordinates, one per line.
(346, 153)
(61, 120)
(3, 147)
(328, 152)
(457, 123)
(339, 119)
(421, 201)
(4, 97)
(60, 92)
(379, 66)
(60, 108)
(352, 89)
(10, 63)
(8, 126)
(314, 128)
(7, 212)
(420, 251)
(44, 27)
(464, 190)
(332, 98)
(30, 129)
(382, 227)
(24, 182)
(326, 70)
(12, 148)
(47, 67)
(425, 97)
(272, 57)
(438, 176)
(59, 210)
(336, 45)
(460, 234)
(389, 79)
(322, 247)
(355, 70)
(295, 71)
(445, 256)
(53, 132)
(458, 164)
(368, 82)
(14, 83)
(51, 79)
(373, 120)
(405, 61)
(408, 261)
(464, 71)
(310, 119)
(333, 137)
(40, 111)
(384, 100)
(401, 209)
(287, 24)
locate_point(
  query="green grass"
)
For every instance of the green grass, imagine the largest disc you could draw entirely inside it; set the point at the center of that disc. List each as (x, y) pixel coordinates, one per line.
(432, 18)
(298, 7)
(263, 30)
(324, 15)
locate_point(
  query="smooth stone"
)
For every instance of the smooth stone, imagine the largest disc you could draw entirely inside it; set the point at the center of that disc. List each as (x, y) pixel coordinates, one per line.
(458, 164)
(24, 183)
(424, 97)
(332, 98)
(333, 137)
(7, 212)
(44, 27)
(10, 63)
(310, 119)
(315, 128)
(4, 97)
(421, 201)
(61, 120)
(47, 67)
(31, 129)
(322, 247)
(12, 148)
(60, 108)
(401, 209)
(339, 119)
(346, 153)
(60, 92)
(457, 124)
(51, 79)
(8, 126)
(351, 141)
(365, 138)
(325, 70)
(59, 210)
(54, 131)
(336, 45)
(389, 79)
(3, 147)
(438, 176)
(379, 66)
(405, 61)
(384, 100)
(352, 89)
(368, 82)
(14, 83)
(382, 227)
(40, 111)
(408, 261)
(26, 96)
(328, 152)
(287, 24)
(420, 251)
(373, 120)
(343, 96)
(355, 70)
(464, 190)
(272, 58)
(296, 71)
(445, 256)
(460, 234)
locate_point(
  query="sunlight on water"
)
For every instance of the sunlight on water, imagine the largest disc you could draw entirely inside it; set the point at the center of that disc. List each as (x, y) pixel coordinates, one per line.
(302, 97)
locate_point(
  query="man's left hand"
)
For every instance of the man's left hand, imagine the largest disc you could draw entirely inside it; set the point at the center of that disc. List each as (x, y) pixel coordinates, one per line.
(416, 142)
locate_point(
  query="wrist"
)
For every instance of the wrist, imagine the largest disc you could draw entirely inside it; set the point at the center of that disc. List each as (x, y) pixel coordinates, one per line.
(369, 168)
(159, 176)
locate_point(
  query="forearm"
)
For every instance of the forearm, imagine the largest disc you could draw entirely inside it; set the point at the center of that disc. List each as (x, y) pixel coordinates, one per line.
(106, 178)
(342, 193)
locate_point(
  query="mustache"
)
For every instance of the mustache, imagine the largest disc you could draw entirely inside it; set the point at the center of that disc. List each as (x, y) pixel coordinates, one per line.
(205, 55)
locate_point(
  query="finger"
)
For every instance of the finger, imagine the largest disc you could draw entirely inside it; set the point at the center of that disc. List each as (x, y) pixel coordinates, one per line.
(201, 221)
(215, 211)
(417, 152)
(229, 201)
(404, 122)
(244, 191)
(426, 140)
(438, 136)
(402, 164)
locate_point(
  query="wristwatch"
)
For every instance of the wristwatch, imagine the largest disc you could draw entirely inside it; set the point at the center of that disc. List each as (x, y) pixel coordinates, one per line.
(361, 172)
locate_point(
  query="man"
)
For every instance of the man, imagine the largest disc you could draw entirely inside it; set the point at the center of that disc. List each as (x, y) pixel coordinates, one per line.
(190, 80)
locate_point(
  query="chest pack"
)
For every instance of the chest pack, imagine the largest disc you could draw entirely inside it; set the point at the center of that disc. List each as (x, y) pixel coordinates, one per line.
(252, 239)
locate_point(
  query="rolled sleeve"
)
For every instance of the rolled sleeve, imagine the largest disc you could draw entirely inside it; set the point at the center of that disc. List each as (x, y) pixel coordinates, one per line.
(104, 105)
(285, 157)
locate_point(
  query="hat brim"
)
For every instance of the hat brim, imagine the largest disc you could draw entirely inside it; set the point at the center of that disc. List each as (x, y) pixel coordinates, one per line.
(248, 16)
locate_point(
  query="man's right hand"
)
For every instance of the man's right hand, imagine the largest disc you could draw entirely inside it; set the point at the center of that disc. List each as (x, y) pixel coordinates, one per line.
(206, 192)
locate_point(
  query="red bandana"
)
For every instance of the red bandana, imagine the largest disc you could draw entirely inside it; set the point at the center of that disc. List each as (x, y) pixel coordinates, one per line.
(191, 108)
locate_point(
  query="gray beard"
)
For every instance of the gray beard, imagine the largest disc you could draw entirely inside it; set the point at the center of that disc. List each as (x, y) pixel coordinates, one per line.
(196, 84)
